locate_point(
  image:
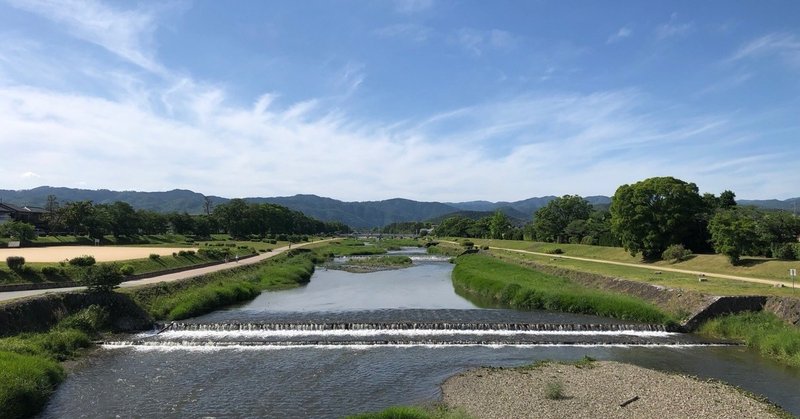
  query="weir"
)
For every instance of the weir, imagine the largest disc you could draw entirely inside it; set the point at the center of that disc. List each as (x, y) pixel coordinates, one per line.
(380, 326)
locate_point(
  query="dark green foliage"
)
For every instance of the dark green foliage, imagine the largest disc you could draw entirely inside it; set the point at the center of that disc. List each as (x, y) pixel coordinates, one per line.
(676, 253)
(90, 320)
(652, 214)
(733, 233)
(217, 254)
(556, 251)
(52, 271)
(154, 256)
(521, 288)
(126, 269)
(15, 263)
(762, 331)
(18, 230)
(101, 278)
(85, 260)
(784, 251)
(551, 221)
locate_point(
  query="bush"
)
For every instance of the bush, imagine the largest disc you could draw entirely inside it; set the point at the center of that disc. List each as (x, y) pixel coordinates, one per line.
(90, 320)
(676, 253)
(554, 390)
(15, 263)
(52, 271)
(468, 244)
(126, 270)
(784, 251)
(85, 260)
(214, 253)
(102, 278)
(186, 253)
(556, 251)
(154, 256)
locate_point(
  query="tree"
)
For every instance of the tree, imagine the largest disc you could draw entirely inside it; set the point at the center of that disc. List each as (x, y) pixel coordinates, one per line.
(18, 230)
(727, 199)
(124, 219)
(733, 233)
(102, 278)
(654, 213)
(499, 225)
(207, 205)
(550, 221)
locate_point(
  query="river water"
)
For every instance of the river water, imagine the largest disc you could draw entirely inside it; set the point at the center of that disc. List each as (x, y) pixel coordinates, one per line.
(348, 343)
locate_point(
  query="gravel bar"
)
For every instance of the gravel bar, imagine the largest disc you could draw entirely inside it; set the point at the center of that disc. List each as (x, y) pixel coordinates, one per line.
(596, 391)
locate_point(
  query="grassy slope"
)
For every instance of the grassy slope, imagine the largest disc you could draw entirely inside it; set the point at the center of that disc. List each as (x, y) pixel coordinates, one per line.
(755, 267)
(522, 288)
(179, 300)
(763, 332)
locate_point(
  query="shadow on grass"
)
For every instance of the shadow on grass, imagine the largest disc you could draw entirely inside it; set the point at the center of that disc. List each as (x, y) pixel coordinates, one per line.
(749, 263)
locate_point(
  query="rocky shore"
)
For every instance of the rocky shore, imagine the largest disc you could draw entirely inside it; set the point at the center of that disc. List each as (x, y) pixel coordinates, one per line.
(597, 390)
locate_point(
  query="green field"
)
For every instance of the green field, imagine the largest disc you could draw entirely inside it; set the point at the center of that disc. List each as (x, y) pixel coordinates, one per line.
(750, 266)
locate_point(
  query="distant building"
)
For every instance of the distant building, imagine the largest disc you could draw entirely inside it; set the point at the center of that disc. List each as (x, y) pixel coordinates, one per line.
(31, 215)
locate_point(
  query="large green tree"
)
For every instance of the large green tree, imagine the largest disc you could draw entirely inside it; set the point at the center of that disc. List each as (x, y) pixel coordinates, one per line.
(550, 221)
(499, 225)
(652, 214)
(733, 233)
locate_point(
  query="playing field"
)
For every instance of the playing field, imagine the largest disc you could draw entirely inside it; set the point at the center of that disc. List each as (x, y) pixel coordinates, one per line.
(100, 253)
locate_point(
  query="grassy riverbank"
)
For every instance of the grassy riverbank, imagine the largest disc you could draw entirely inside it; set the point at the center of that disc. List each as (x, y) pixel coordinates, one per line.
(183, 299)
(413, 412)
(29, 363)
(761, 331)
(372, 263)
(521, 288)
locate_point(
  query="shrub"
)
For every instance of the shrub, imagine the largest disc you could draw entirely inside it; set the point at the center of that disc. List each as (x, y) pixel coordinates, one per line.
(102, 278)
(468, 244)
(214, 253)
(15, 263)
(784, 251)
(90, 320)
(52, 271)
(174, 254)
(556, 251)
(554, 390)
(676, 253)
(186, 253)
(126, 270)
(154, 256)
(84, 260)
(589, 240)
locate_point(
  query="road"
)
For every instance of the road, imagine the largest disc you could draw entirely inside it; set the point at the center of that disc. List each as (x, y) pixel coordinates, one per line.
(10, 295)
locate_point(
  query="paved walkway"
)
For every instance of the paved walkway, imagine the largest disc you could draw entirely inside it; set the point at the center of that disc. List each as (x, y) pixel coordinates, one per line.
(10, 295)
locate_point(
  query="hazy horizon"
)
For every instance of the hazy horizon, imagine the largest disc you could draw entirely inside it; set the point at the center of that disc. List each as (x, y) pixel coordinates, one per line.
(428, 100)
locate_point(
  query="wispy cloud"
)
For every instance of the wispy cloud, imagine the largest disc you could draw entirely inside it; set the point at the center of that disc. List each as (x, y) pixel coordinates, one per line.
(405, 31)
(673, 28)
(619, 35)
(783, 45)
(476, 42)
(125, 33)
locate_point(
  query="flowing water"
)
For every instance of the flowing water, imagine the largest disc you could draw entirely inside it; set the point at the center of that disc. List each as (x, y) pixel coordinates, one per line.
(348, 343)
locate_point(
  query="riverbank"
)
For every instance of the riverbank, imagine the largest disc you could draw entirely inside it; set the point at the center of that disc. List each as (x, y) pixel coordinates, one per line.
(371, 264)
(597, 389)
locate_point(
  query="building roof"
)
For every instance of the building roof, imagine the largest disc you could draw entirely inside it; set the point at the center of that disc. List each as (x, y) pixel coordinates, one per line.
(25, 210)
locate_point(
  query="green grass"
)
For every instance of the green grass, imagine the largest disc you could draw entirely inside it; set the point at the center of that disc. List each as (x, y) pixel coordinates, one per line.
(750, 266)
(517, 287)
(396, 243)
(714, 286)
(349, 247)
(183, 299)
(29, 368)
(761, 331)
(411, 412)
(446, 249)
(372, 261)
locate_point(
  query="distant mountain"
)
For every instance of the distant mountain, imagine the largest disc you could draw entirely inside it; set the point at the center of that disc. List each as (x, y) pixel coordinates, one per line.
(179, 200)
(360, 215)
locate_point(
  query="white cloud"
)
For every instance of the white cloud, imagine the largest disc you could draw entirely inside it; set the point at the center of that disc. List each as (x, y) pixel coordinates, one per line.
(128, 34)
(619, 35)
(29, 175)
(784, 45)
(673, 28)
(476, 42)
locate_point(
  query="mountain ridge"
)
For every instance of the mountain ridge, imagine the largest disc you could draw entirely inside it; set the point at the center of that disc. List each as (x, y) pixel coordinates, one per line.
(357, 214)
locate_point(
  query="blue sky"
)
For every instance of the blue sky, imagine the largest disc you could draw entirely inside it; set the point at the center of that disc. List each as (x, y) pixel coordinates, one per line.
(421, 99)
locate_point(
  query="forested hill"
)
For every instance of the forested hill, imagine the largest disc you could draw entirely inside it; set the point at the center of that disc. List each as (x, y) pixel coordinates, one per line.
(360, 215)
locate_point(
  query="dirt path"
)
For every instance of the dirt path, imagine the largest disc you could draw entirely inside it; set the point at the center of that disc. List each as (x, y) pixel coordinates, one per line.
(4, 296)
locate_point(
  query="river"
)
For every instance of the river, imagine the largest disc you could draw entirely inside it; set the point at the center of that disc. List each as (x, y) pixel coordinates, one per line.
(349, 343)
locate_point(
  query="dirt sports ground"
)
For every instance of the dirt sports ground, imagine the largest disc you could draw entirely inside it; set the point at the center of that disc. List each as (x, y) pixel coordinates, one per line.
(100, 253)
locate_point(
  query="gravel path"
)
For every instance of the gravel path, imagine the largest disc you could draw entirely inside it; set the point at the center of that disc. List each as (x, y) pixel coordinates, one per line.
(595, 392)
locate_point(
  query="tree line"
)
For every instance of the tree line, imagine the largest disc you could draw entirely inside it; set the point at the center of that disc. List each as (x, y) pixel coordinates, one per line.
(236, 217)
(648, 218)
